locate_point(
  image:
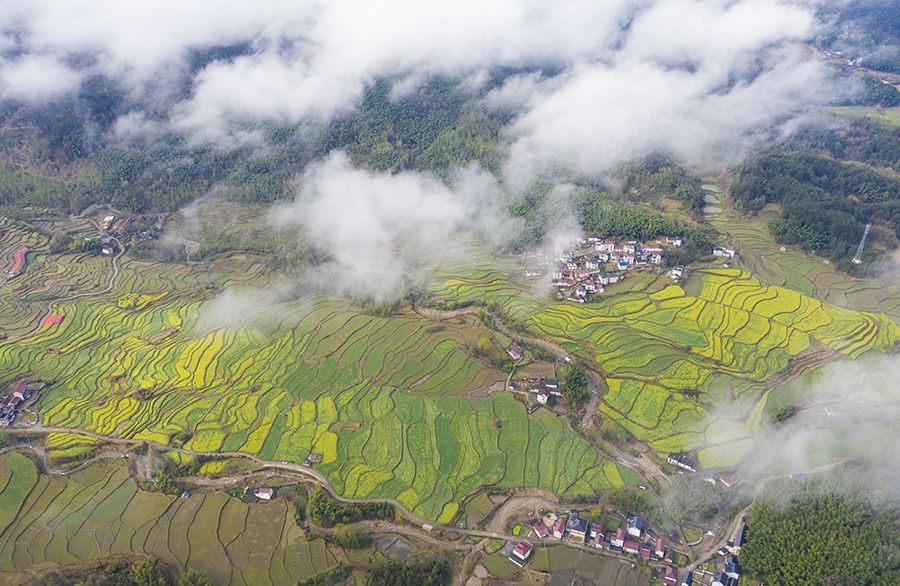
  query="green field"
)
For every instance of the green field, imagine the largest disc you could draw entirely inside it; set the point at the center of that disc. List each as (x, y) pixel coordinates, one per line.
(599, 569)
(99, 511)
(806, 274)
(691, 370)
(384, 401)
(891, 115)
(388, 404)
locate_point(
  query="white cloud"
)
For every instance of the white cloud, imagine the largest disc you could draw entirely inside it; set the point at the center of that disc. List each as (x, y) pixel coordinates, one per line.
(676, 86)
(363, 220)
(655, 83)
(36, 77)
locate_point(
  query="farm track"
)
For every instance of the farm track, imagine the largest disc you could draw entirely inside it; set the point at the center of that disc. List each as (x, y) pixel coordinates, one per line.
(265, 464)
(511, 508)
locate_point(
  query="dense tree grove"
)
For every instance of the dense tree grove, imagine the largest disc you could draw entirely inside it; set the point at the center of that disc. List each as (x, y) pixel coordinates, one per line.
(876, 93)
(884, 60)
(598, 212)
(430, 130)
(326, 512)
(148, 572)
(631, 500)
(576, 385)
(784, 414)
(814, 532)
(336, 574)
(872, 22)
(425, 573)
(658, 175)
(862, 140)
(352, 536)
(825, 203)
(694, 500)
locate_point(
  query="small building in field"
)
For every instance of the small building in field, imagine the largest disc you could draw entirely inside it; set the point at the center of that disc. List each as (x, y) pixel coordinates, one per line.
(265, 492)
(21, 391)
(740, 536)
(514, 352)
(727, 252)
(249, 495)
(541, 395)
(520, 553)
(541, 530)
(683, 460)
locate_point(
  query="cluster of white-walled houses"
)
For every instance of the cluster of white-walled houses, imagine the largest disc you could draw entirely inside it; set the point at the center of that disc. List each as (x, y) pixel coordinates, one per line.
(631, 537)
(579, 273)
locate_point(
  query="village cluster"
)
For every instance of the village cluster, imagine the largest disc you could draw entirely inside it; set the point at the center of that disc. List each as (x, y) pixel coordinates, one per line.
(584, 270)
(632, 537)
(119, 232)
(580, 272)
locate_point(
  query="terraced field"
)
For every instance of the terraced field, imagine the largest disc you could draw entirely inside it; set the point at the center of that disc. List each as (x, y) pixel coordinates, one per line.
(693, 371)
(384, 401)
(387, 403)
(808, 274)
(99, 512)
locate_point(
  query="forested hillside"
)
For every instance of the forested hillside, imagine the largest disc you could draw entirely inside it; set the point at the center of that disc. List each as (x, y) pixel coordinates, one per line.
(825, 202)
(826, 531)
